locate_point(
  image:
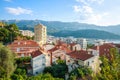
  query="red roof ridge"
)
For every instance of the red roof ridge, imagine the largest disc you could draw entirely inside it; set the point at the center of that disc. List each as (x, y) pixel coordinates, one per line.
(82, 55)
(36, 53)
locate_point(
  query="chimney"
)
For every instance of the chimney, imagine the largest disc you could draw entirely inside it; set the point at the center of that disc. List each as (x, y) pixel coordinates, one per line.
(18, 43)
(51, 58)
(97, 47)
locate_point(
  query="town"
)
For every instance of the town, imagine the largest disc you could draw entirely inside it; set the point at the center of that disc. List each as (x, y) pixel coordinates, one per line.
(45, 51)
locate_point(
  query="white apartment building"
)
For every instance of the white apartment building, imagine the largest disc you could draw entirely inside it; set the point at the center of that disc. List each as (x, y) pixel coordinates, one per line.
(38, 62)
(27, 33)
(40, 34)
(82, 42)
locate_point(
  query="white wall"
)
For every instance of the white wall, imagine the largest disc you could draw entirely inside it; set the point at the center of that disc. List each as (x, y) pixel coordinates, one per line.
(38, 64)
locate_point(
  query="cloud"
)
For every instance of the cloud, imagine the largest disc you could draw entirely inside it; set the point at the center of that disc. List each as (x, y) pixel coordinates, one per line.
(8, 0)
(87, 14)
(18, 11)
(87, 2)
(83, 9)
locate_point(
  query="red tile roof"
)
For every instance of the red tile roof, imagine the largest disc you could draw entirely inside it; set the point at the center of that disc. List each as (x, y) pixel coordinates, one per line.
(53, 49)
(117, 45)
(82, 55)
(104, 49)
(36, 53)
(23, 47)
(24, 43)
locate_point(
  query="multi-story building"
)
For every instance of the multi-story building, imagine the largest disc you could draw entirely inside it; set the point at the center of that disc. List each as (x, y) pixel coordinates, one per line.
(82, 42)
(105, 49)
(27, 33)
(89, 58)
(40, 34)
(38, 62)
(23, 48)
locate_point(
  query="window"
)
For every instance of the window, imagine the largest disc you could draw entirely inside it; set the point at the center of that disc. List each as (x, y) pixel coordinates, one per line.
(43, 57)
(88, 63)
(36, 72)
(43, 64)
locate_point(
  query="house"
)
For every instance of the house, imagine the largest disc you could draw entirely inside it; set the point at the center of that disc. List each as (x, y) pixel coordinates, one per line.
(105, 49)
(74, 47)
(55, 52)
(38, 62)
(27, 33)
(75, 59)
(23, 48)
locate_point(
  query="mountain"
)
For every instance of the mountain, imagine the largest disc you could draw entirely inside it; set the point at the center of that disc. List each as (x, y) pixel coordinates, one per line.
(54, 26)
(89, 33)
(57, 26)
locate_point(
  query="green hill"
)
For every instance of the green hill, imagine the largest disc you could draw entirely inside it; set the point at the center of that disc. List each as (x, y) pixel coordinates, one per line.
(82, 29)
(89, 33)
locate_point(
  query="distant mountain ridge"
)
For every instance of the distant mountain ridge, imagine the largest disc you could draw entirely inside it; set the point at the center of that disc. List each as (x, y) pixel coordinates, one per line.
(89, 33)
(57, 26)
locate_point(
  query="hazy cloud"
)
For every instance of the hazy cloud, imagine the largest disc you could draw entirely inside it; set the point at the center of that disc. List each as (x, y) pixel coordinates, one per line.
(18, 11)
(8, 0)
(87, 2)
(87, 14)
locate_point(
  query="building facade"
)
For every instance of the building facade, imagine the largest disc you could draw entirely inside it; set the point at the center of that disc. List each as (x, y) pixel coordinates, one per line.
(23, 48)
(82, 42)
(38, 62)
(40, 34)
(27, 33)
(83, 58)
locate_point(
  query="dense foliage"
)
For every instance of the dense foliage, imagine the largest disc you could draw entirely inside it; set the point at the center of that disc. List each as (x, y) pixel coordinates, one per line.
(7, 65)
(57, 70)
(110, 68)
(19, 74)
(8, 33)
(46, 76)
(80, 72)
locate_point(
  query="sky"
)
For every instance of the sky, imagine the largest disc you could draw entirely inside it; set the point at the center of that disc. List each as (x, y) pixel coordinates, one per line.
(98, 12)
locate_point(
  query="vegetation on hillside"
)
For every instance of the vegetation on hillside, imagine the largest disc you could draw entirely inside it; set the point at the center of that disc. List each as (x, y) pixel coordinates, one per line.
(8, 33)
(87, 34)
(110, 68)
(7, 62)
(57, 70)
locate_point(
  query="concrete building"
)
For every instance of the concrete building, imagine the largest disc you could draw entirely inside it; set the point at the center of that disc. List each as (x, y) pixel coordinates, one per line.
(38, 62)
(27, 33)
(82, 42)
(90, 59)
(23, 48)
(105, 49)
(74, 47)
(40, 34)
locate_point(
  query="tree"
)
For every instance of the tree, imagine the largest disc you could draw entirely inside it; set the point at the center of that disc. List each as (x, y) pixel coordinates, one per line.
(110, 67)
(19, 74)
(8, 33)
(7, 65)
(57, 70)
(80, 72)
(46, 76)
(14, 31)
(4, 35)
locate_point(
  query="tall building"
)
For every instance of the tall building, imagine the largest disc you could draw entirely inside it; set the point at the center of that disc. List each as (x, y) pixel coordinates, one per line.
(40, 34)
(82, 42)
